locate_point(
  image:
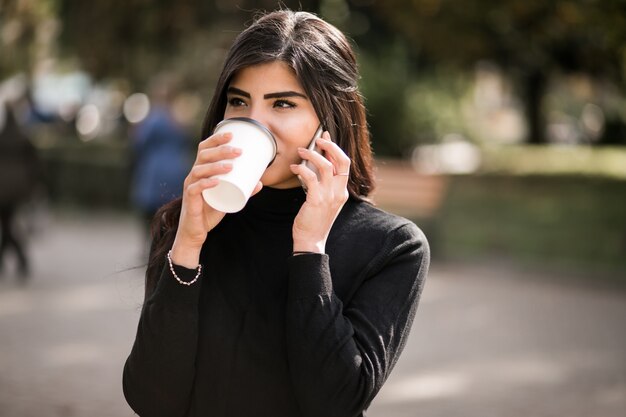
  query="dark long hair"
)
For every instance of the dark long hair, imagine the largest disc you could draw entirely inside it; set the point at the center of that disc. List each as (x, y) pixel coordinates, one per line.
(325, 64)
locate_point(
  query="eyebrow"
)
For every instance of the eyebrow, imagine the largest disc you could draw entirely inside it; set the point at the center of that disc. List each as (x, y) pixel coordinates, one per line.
(284, 94)
(281, 94)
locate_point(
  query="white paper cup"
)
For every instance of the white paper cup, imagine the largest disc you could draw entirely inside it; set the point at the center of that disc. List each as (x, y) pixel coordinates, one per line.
(258, 151)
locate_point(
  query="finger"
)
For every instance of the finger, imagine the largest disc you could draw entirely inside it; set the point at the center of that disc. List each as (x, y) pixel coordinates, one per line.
(215, 140)
(307, 176)
(197, 187)
(209, 170)
(336, 155)
(218, 153)
(323, 165)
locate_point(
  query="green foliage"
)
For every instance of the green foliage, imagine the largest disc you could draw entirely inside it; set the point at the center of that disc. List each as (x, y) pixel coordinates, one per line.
(28, 31)
(136, 39)
(604, 162)
(385, 84)
(569, 222)
(435, 102)
(573, 35)
(406, 109)
(412, 53)
(531, 40)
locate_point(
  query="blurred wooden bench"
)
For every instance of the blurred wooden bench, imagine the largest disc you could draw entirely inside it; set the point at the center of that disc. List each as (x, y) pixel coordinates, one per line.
(402, 190)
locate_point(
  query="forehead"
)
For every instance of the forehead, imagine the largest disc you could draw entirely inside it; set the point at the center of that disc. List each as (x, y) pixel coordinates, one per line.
(268, 77)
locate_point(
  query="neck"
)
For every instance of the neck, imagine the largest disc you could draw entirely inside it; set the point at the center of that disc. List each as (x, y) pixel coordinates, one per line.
(276, 202)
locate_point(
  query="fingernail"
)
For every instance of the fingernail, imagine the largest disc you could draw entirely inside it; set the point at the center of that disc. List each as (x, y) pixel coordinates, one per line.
(236, 151)
(228, 135)
(301, 149)
(227, 165)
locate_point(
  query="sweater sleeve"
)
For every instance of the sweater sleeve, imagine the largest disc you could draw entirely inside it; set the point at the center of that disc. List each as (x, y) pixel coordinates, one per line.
(160, 370)
(340, 355)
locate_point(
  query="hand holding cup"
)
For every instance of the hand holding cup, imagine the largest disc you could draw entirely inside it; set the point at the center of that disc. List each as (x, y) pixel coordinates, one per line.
(235, 187)
(210, 192)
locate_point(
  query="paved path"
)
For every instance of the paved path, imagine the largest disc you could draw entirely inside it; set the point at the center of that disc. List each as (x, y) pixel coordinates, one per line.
(486, 341)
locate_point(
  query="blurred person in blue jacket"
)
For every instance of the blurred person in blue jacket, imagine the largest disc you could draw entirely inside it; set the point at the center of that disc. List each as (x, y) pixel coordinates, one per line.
(161, 153)
(19, 177)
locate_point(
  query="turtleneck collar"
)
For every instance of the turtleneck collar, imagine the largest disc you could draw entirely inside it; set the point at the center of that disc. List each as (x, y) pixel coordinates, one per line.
(273, 201)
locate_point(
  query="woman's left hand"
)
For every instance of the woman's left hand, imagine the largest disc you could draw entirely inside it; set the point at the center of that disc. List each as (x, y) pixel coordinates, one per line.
(325, 196)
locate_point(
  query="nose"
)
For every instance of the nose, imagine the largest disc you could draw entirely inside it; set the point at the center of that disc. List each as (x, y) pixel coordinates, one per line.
(257, 113)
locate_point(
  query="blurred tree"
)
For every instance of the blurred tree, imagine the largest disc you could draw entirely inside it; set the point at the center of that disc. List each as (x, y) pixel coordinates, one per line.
(385, 80)
(28, 30)
(529, 39)
(135, 39)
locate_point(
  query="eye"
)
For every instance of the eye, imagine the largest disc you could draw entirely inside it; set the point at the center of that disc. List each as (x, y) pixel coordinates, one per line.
(284, 104)
(236, 102)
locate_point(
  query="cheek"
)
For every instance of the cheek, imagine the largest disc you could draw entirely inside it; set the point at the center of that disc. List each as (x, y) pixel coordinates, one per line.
(288, 152)
(293, 136)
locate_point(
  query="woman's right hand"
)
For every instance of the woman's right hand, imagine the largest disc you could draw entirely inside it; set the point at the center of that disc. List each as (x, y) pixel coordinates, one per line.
(196, 217)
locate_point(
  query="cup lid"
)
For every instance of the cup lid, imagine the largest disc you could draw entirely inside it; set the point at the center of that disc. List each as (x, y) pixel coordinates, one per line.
(257, 124)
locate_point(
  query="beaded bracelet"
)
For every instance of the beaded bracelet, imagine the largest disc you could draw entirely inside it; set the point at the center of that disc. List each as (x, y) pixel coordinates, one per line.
(180, 281)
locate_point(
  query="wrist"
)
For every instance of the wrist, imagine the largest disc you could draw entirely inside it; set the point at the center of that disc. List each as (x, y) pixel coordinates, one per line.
(185, 255)
(312, 247)
(175, 275)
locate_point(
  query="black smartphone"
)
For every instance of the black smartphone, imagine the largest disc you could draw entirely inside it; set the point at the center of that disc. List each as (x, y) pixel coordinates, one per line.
(312, 147)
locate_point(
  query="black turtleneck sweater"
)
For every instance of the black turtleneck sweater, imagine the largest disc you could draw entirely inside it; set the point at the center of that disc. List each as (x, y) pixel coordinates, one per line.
(265, 333)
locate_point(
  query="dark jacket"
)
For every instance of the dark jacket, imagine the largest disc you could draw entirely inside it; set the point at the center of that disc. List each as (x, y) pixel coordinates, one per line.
(19, 163)
(265, 333)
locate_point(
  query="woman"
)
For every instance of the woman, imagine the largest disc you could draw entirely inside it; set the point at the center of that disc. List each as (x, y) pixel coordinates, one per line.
(300, 304)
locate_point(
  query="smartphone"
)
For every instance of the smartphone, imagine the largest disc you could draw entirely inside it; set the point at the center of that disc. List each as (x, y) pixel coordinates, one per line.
(312, 147)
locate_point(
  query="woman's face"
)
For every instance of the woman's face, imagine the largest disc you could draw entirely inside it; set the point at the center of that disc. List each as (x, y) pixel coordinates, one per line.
(271, 94)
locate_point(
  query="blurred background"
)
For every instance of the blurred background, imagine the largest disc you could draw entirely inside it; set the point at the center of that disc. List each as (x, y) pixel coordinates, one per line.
(499, 127)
